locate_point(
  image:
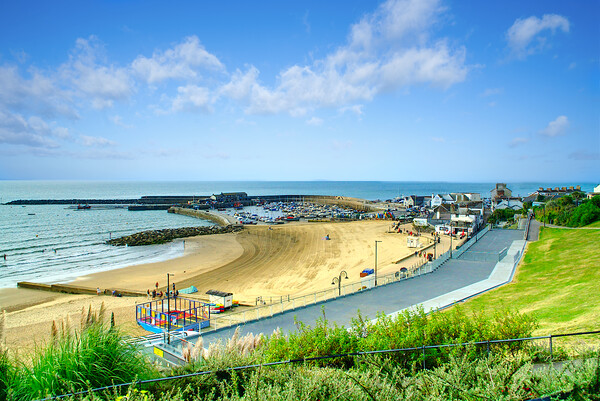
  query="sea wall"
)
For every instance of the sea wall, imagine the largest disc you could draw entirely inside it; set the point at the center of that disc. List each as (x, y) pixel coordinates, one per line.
(218, 218)
(75, 289)
(153, 237)
(345, 201)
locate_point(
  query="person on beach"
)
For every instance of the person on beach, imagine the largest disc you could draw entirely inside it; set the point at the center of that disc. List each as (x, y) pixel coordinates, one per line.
(153, 294)
(98, 292)
(148, 294)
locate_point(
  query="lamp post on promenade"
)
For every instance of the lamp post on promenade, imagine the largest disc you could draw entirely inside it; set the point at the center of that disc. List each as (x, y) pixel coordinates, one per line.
(168, 310)
(376, 262)
(451, 234)
(339, 281)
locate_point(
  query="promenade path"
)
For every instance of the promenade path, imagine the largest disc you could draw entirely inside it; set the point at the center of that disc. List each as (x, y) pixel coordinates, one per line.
(534, 230)
(450, 278)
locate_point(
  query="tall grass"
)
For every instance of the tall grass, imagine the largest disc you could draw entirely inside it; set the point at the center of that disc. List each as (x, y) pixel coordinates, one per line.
(77, 359)
(411, 328)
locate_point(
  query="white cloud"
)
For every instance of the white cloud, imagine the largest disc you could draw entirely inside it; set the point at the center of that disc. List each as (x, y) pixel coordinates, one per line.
(341, 145)
(181, 62)
(85, 73)
(356, 109)
(492, 91)
(32, 132)
(556, 127)
(526, 36)
(386, 50)
(518, 141)
(118, 120)
(315, 121)
(39, 93)
(192, 97)
(95, 141)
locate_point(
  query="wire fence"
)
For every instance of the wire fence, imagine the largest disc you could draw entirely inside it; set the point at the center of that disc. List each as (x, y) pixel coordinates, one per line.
(422, 349)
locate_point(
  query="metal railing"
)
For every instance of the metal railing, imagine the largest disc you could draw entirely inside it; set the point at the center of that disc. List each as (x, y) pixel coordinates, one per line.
(422, 349)
(282, 304)
(287, 303)
(465, 247)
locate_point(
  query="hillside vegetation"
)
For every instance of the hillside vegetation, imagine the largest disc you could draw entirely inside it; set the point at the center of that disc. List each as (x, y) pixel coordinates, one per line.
(570, 211)
(557, 283)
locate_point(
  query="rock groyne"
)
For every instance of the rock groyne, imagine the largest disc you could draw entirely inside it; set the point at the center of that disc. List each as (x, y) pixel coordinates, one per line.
(153, 237)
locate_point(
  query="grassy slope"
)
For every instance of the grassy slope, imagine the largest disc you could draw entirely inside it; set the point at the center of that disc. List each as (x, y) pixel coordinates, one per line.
(558, 282)
(596, 224)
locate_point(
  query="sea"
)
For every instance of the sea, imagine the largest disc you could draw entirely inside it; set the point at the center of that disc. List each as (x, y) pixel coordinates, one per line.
(58, 243)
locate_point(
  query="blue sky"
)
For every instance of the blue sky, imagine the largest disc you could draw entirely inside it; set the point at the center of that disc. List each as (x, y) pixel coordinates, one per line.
(341, 90)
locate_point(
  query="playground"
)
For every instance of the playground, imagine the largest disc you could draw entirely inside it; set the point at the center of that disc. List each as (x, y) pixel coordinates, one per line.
(172, 314)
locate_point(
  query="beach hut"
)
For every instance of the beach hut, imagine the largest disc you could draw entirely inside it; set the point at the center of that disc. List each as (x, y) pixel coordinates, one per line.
(220, 298)
(413, 242)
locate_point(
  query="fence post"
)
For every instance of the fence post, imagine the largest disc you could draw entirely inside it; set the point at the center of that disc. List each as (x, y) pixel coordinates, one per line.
(551, 357)
(488, 348)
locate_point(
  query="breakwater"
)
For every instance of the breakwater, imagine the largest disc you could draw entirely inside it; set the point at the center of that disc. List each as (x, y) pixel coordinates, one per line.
(152, 237)
(76, 289)
(218, 218)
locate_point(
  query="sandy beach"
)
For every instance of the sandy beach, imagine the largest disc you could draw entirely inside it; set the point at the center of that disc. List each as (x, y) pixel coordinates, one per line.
(261, 261)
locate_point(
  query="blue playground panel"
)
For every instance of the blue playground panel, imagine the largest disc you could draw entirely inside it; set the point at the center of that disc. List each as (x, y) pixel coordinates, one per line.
(173, 314)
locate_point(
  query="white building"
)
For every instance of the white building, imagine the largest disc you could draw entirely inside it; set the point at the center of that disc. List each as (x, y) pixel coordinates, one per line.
(510, 203)
(438, 199)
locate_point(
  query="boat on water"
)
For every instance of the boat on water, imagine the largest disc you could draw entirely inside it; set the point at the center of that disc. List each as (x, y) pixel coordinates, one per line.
(83, 207)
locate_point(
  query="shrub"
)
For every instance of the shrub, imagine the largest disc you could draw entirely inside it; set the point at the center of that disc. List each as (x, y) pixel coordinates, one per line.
(92, 356)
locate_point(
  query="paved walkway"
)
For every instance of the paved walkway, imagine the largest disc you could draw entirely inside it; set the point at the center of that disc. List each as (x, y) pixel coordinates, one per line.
(534, 230)
(454, 280)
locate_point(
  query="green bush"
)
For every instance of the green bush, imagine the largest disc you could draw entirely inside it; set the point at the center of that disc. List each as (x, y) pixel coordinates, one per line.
(92, 357)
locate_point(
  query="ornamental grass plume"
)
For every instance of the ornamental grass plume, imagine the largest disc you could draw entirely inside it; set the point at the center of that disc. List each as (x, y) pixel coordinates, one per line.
(2, 333)
(197, 352)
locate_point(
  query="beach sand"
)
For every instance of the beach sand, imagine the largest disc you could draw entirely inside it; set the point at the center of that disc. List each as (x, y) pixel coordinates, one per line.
(266, 261)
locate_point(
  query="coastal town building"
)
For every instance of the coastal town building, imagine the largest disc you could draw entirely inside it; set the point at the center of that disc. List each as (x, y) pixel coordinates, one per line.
(465, 197)
(231, 196)
(596, 192)
(547, 194)
(501, 191)
(416, 201)
(439, 199)
(509, 203)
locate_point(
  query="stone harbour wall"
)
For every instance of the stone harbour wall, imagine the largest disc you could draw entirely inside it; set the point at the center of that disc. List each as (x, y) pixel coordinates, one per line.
(153, 237)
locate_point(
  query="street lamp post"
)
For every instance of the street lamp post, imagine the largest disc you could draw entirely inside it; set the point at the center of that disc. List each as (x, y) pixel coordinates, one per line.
(376, 262)
(339, 281)
(168, 311)
(451, 234)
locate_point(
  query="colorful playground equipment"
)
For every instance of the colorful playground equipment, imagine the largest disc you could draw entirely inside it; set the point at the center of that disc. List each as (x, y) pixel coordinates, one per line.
(173, 314)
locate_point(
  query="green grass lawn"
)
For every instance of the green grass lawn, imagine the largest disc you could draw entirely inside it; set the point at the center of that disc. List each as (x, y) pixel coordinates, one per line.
(558, 282)
(596, 224)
